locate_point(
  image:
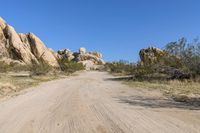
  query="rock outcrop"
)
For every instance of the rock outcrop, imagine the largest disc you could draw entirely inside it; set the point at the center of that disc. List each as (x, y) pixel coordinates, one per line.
(41, 52)
(24, 48)
(151, 55)
(17, 49)
(65, 54)
(91, 60)
(3, 42)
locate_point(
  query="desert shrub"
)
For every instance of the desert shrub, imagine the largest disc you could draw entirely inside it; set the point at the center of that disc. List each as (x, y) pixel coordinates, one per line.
(123, 67)
(3, 67)
(141, 71)
(187, 53)
(70, 66)
(40, 69)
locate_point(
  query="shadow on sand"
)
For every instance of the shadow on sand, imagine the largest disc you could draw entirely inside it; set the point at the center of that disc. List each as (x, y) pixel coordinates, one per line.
(158, 103)
(124, 78)
(181, 102)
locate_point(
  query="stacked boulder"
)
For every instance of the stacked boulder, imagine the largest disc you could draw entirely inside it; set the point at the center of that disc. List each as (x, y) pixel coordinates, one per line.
(91, 60)
(65, 54)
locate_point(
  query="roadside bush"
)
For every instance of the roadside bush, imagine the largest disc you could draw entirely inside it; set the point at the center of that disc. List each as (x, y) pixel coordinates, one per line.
(187, 53)
(141, 71)
(122, 67)
(40, 69)
(70, 66)
(182, 61)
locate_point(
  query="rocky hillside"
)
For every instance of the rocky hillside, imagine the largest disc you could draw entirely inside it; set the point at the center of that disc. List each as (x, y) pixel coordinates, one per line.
(26, 49)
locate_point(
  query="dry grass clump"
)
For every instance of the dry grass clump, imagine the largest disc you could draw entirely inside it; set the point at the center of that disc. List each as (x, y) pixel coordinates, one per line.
(172, 86)
(6, 88)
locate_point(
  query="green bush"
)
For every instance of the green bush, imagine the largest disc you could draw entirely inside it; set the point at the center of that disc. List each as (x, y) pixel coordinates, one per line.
(70, 66)
(40, 69)
(5, 67)
(187, 53)
(123, 67)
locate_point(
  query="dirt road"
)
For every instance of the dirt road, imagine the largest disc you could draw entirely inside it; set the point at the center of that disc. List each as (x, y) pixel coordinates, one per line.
(92, 102)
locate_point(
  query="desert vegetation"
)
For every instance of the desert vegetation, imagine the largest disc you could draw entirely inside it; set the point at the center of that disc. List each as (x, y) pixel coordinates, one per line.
(14, 77)
(70, 66)
(173, 70)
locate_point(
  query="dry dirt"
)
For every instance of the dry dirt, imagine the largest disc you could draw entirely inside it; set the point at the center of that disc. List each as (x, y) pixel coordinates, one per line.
(94, 103)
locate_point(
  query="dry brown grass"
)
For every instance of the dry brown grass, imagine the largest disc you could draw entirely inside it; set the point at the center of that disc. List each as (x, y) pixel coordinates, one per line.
(10, 84)
(184, 91)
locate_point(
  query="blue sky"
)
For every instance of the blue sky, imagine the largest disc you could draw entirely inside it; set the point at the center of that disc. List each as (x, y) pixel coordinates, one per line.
(117, 28)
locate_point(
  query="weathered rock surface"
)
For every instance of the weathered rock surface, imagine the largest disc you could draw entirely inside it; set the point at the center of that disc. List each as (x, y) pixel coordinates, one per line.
(151, 55)
(41, 52)
(25, 40)
(65, 54)
(2, 23)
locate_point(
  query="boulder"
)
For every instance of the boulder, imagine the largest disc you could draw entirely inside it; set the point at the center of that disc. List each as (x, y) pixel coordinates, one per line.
(41, 52)
(174, 73)
(91, 60)
(82, 51)
(151, 55)
(91, 57)
(97, 54)
(65, 54)
(16, 48)
(88, 64)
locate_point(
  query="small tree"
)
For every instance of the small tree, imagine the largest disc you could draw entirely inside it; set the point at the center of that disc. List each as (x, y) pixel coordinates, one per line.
(187, 53)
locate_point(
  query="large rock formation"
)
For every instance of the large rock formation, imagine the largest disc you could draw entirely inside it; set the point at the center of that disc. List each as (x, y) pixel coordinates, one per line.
(91, 60)
(24, 48)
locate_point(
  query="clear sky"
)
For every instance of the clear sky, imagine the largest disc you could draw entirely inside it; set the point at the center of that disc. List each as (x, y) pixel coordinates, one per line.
(117, 28)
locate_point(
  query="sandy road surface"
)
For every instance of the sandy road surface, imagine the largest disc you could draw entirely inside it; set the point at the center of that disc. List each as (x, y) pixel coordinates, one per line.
(92, 102)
